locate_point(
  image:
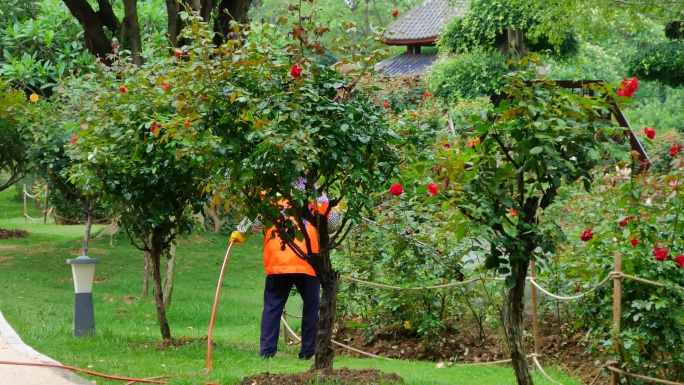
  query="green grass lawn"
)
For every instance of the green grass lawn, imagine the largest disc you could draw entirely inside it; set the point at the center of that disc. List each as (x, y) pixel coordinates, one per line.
(37, 300)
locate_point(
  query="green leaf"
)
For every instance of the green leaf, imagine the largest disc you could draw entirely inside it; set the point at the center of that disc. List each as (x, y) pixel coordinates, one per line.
(510, 281)
(536, 150)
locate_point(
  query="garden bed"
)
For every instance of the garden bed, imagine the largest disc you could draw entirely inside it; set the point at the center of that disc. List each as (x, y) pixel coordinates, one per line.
(7, 234)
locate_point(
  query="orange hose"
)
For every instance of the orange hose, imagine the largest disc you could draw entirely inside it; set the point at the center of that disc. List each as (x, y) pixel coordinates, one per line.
(213, 311)
(149, 381)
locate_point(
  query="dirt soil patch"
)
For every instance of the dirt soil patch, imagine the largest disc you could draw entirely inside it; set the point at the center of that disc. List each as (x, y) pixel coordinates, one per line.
(7, 234)
(174, 343)
(460, 344)
(342, 376)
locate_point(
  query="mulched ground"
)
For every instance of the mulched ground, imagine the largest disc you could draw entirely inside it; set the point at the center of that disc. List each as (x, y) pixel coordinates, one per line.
(7, 234)
(342, 376)
(462, 344)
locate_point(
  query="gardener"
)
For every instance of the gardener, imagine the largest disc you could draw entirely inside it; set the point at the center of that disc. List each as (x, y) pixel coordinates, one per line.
(284, 269)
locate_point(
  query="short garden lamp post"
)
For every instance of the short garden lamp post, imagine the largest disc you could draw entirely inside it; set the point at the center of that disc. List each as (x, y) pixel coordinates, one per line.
(83, 269)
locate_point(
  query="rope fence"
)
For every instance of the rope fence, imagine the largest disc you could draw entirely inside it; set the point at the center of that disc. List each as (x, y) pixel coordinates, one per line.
(616, 276)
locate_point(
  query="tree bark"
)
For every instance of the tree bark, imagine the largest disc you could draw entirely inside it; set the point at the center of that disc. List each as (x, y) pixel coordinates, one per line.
(173, 24)
(330, 284)
(88, 225)
(96, 41)
(146, 275)
(516, 310)
(106, 15)
(170, 275)
(155, 257)
(130, 31)
(229, 10)
(213, 215)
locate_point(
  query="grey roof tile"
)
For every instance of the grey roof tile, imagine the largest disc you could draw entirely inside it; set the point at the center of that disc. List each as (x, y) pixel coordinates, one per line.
(425, 21)
(407, 64)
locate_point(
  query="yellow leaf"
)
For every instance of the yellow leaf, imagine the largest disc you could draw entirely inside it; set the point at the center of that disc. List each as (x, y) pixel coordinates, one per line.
(233, 96)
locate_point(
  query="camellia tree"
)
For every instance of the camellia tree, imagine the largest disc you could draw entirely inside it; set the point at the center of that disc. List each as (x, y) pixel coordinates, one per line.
(139, 149)
(297, 131)
(540, 137)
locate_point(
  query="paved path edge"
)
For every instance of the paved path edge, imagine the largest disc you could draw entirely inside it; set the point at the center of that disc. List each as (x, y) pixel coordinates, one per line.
(12, 339)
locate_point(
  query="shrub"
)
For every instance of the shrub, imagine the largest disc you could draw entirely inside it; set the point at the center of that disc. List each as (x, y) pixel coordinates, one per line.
(663, 62)
(468, 76)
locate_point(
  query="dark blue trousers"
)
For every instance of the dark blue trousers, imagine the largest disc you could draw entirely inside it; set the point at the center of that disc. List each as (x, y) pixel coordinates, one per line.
(276, 292)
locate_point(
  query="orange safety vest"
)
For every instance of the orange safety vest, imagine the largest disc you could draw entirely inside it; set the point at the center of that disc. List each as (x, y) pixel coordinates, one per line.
(278, 261)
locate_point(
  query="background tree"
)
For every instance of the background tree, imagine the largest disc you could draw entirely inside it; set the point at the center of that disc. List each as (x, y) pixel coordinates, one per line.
(538, 139)
(285, 120)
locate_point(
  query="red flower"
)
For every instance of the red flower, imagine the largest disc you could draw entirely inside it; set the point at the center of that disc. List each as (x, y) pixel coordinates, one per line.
(679, 260)
(650, 133)
(577, 287)
(296, 71)
(73, 139)
(395, 13)
(622, 223)
(166, 86)
(513, 212)
(404, 132)
(433, 189)
(628, 87)
(385, 104)
(660, 255)
(675, 149)
(447, 145)
(426, 95)
(586, 235)
(634, 241)
(154, 126)
(187, 123)
(122, 89)
(179, 53)
(396, 189)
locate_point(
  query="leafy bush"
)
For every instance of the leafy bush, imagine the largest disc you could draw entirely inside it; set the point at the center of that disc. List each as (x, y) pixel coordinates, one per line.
(593, 62)
(663, 62)
(485, 25)
(468, 76)
(635, 216)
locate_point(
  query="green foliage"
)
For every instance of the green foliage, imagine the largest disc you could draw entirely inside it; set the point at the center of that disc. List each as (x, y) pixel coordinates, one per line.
(674, 30)
(467, 76)
(41, 43)
(364, 17)
(485, 26)
(12, 145)
(663, 62)
(320, 128)
(645, 208)
(594, 62)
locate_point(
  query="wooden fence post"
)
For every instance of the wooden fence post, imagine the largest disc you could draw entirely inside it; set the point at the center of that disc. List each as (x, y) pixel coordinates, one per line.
(617, 309)
(285, 336)
(535, 306)
(23, 192)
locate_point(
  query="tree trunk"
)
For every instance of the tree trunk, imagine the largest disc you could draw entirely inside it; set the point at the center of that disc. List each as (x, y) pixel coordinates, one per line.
(106, 15)
(96, 41)
(169, 278)
(88, 225)
(516, 311)
(173, 21)
(229, 10)
(213, 215)
(206, 8)
(130, 31)
(155, 257)
(515, 42)
(330, 284)
(146, 275)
